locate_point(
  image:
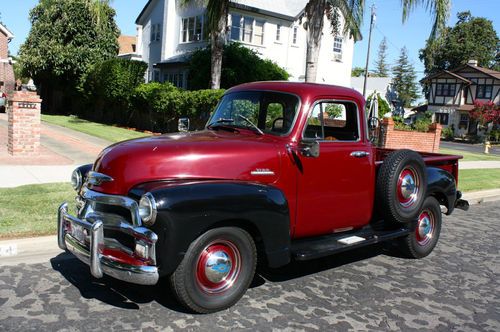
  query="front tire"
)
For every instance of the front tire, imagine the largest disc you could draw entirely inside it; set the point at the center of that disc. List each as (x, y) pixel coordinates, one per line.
(422, 241)
(216, 271)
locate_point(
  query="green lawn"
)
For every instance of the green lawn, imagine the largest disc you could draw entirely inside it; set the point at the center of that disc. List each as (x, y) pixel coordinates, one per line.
(110, 133)
(32, 210)
(479, 179)
(469, 156)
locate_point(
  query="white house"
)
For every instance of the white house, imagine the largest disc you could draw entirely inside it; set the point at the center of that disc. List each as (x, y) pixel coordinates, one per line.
(168, 32)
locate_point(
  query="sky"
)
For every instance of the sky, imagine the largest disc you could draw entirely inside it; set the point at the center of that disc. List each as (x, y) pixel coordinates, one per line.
(412, 34)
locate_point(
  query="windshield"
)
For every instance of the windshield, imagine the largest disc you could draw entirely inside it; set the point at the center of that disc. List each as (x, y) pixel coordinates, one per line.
(260, 111)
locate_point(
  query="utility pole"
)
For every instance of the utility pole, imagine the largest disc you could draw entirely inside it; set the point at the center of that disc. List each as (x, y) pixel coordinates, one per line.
(372, 21)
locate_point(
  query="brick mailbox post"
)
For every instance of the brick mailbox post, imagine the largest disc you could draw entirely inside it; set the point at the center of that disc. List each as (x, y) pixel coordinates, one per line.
(400, 139)
(24, 123)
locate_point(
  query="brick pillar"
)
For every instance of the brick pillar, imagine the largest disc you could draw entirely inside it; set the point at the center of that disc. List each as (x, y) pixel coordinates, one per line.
(436, 128)
(24, 123)
(386, 131)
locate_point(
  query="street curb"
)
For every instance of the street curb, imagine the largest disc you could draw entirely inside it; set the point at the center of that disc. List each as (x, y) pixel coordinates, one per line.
(41, 249)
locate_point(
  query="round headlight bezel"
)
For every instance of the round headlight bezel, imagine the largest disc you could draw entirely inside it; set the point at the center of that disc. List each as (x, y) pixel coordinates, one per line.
(76, 179)
(147, 209)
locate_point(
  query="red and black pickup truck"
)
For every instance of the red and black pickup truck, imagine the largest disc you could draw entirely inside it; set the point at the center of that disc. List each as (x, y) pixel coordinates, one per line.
(282, 171)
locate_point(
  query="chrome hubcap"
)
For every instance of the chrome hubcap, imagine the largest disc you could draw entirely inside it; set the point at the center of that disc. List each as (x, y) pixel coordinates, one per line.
(218, 267)
(425, 229)
(408, 187)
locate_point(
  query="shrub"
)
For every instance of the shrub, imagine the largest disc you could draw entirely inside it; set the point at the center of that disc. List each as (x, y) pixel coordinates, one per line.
(383, 106)
(239, 65)
(159, 105)
(447, 134)
(109, 86)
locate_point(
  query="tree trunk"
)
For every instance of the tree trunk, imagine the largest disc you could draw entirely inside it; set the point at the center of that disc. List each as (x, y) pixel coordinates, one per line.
(315, 11)
(218, 39)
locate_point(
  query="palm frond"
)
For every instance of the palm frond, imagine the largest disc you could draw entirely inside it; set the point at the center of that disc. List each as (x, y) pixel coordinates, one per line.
(351, 11)
(439, 9)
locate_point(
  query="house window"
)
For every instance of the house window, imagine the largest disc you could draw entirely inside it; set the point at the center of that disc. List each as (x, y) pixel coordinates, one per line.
(156, 75)
(464, 121)
(337, 45)
(278, 32)
(177, 79)
(247, 29)
(445, 90)
(193, 29)
(155, 32)
(442, 118)
(484, 91)
(295, 34)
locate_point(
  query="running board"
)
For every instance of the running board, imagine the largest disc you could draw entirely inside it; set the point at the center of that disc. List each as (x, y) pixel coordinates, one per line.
(316, 247)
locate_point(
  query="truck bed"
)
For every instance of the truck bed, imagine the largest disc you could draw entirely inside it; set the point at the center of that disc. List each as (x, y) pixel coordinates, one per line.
(447, 162)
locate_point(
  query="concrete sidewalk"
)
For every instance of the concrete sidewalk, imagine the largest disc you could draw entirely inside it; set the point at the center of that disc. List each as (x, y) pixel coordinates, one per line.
(483, 164)
(14, 176)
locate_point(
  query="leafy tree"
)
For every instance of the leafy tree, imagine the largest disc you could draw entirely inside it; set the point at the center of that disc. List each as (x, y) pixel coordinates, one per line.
(65, 39)
(470, 38)
(358, 72)
(382, 68)
(236, 61)
(405, 79)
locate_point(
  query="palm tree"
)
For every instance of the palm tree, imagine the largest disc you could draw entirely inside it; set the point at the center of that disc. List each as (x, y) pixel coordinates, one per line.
(439, 9)
(351, 11)
(217, 11)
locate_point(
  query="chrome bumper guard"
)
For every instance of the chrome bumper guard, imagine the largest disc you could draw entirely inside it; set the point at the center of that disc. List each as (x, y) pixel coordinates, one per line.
(92, 254)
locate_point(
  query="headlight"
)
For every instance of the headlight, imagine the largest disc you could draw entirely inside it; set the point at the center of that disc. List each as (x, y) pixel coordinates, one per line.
(76, 179)
(147, 209)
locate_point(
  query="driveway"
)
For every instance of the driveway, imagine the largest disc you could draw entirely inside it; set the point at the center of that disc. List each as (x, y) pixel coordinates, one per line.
(455, 288)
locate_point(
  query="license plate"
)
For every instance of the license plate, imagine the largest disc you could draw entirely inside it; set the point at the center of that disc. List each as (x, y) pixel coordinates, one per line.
(78, 233)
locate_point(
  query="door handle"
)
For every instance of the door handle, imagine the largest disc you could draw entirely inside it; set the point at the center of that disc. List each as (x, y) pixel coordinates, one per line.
(359, 154)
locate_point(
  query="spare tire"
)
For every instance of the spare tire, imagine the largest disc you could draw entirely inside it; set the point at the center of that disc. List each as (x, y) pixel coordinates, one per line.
(401, 186)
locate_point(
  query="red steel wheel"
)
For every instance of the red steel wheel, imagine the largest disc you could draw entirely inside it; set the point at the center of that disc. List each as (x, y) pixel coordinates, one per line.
(408, 187)
(425, 227)
(218, 266)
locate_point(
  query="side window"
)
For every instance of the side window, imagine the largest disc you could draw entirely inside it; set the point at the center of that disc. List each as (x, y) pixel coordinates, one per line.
(333, 121)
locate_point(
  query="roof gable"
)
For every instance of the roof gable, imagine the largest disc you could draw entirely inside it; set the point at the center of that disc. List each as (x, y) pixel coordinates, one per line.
(445, 73)
(6, 31)
(471, 68)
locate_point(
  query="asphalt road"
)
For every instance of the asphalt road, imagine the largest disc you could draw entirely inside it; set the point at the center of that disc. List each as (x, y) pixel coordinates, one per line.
(456, 288)
(473, 148)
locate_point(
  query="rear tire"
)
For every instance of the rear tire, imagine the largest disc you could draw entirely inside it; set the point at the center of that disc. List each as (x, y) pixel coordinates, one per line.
(216, 270)
(422, 241)
(401, 186)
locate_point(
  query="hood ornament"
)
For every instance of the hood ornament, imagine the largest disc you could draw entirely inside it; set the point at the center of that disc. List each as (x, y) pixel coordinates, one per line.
(95, 178)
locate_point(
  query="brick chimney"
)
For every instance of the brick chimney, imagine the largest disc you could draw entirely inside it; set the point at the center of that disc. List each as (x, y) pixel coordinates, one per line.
(472, 62)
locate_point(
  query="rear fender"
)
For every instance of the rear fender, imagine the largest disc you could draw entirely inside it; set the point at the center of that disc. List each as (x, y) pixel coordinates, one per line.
(441, 184)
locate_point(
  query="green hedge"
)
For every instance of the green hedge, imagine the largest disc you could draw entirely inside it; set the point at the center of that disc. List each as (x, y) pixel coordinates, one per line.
(158, 106)
(239, 65)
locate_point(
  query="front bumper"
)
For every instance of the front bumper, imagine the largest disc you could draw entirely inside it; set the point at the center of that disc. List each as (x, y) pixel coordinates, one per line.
(107, 256)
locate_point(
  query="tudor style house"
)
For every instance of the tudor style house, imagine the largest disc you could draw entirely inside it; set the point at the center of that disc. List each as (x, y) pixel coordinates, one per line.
(168, 32)
(451, 95)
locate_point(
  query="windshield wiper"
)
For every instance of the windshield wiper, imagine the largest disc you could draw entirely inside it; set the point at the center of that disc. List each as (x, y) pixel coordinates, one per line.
(220, 124)
(257, 129)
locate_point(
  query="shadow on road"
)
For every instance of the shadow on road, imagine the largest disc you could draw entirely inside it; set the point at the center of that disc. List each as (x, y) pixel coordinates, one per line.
(127, 296)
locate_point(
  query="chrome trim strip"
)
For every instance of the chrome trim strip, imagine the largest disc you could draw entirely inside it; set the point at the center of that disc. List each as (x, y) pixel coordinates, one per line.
(96, 243)
(262, 172)
(95, 178)
(116, 200)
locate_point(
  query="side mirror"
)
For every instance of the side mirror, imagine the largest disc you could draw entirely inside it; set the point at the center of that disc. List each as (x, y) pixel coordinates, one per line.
(373, 123)
(183, 125)
(309, 149)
